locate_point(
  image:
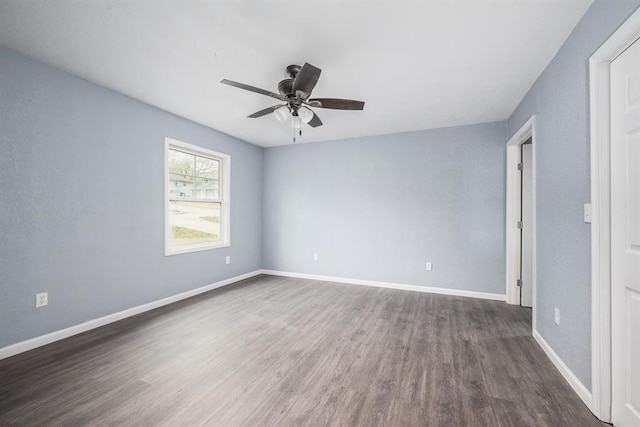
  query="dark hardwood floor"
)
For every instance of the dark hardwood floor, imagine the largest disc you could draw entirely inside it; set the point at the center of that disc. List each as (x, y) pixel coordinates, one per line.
(277, 351)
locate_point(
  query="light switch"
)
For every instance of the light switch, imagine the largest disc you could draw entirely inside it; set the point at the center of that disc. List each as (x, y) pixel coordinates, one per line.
(587, 212)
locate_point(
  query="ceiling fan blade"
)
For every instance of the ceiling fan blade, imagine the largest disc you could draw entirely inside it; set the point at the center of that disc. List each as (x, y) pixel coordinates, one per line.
(306, 80)
(336, 103)
(253, 89)
(264, 112)
(315, 121)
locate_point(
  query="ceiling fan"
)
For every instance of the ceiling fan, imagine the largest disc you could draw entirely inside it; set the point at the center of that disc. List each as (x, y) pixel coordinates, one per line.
(295, 92)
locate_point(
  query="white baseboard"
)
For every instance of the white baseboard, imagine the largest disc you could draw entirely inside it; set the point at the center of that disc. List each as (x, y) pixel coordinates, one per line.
(568, 375)
(416, 288)
(32, 343)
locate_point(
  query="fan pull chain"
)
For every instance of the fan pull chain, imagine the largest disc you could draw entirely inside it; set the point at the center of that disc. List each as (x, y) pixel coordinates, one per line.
(297, 125)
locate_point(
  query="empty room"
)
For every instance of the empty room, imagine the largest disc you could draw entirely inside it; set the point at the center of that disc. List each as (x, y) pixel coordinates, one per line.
(320, 213)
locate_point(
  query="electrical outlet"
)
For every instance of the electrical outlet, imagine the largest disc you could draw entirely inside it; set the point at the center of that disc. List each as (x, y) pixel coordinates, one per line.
(227, 260)
(428, 266)
(556, 315)
(42, 299)
(315, 257)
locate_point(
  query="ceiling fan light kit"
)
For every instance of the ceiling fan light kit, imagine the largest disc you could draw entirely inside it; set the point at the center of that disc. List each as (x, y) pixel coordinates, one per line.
(295, 92)
(305, 114)
(282, 113)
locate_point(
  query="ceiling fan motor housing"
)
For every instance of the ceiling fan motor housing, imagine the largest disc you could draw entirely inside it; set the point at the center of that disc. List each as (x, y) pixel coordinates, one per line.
(293, 70)
(285, 87)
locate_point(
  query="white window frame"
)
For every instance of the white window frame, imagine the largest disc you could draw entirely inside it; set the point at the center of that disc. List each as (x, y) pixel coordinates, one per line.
(225, 196)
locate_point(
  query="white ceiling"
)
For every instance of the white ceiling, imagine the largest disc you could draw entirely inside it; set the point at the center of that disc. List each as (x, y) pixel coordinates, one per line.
(416, 64)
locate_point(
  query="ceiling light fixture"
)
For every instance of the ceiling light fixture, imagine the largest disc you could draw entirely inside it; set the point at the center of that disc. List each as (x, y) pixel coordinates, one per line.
(298, 114)
(305, 114)
(282, 113)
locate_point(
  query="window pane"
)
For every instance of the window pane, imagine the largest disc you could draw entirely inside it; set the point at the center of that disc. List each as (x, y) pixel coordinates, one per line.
(194, 223)
(196, 193)
(181, 186)
(207, 189)
(207, 168)
(181, 163)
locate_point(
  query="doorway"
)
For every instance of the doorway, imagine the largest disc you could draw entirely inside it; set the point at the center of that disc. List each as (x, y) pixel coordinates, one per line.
(614, 144)
(521, 219)
(526, 223)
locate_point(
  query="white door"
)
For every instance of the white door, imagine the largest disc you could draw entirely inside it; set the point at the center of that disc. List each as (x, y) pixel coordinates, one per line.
(526, 275)
(625, 237)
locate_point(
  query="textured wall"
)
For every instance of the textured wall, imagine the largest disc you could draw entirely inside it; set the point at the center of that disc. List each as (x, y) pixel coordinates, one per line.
(560, 100)
(81, 202)
(378, 208)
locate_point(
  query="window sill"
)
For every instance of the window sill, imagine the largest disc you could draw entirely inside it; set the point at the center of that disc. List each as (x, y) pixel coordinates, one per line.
(169, 252)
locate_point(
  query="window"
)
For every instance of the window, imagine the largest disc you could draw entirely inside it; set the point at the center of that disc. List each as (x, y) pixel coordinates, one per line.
(197, 198)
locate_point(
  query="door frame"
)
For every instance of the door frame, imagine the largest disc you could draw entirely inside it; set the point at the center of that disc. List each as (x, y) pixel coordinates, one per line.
(514, 192)
(600, 97)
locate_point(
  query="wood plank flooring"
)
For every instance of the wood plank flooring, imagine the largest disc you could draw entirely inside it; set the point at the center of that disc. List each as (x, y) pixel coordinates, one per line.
(274, 351)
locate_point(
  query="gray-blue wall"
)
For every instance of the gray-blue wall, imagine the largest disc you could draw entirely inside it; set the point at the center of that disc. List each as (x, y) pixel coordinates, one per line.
(82, 202)
(560, 99)
(378, 208)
